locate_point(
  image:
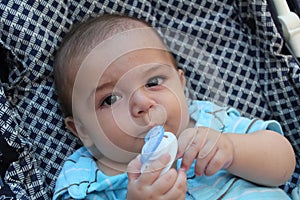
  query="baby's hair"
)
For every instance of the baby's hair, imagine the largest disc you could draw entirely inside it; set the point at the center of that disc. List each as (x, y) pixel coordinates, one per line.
(78, 43)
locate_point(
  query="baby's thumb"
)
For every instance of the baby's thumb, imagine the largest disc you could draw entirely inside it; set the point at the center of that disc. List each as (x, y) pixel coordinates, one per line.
(134, 168)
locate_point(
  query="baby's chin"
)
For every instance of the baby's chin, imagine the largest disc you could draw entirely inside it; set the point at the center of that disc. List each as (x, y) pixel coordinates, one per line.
(127, 155)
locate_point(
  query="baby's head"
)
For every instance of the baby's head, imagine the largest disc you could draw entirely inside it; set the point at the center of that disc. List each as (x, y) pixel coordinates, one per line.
(116, 79)
(78, 43)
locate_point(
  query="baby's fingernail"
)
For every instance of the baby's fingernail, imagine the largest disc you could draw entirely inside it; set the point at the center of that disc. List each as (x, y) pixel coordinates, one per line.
(179, 154)
(202, 155)
(183, 167)
(197, 174)
(182, 170)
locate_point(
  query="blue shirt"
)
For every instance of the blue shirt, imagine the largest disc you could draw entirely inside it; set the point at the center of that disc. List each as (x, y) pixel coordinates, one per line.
(80, 177)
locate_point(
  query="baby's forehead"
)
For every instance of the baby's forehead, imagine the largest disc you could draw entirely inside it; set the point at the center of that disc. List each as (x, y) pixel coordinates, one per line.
(131, 65)
(143, 58)
(108, 49)
(132, 40)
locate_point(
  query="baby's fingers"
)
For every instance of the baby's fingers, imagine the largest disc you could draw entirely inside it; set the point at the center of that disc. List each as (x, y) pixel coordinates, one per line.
(165, 182)
(216, 163)
(210, 143)
(178, 191)
(190, 143)
(184, 140)
(153, 169)
(218, 154)
(134, 168)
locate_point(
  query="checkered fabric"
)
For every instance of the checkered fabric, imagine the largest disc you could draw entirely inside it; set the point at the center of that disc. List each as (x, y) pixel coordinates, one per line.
(231, 52)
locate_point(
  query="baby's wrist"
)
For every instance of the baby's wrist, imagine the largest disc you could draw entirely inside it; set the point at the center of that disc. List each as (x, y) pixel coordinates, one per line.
(228, 164)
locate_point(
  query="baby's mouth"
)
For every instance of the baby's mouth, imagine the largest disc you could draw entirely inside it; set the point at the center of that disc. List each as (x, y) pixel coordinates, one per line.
(156, 115)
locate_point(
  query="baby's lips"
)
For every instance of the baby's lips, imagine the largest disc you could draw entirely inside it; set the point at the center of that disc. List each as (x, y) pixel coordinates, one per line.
(157, 115)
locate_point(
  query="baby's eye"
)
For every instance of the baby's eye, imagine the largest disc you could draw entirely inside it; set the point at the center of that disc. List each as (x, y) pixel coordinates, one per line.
(108, 101)
(154, 81)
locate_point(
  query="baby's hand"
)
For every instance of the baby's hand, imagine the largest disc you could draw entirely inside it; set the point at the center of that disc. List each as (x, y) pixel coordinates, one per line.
(211, 149)
(150, 185)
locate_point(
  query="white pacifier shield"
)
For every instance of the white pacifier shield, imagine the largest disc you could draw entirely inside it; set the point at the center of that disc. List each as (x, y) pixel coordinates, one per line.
(169, 145)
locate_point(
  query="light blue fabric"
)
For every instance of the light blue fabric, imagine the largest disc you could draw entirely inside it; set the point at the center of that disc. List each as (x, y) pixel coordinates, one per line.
(227, 119)
(80, 177)
(296, 193)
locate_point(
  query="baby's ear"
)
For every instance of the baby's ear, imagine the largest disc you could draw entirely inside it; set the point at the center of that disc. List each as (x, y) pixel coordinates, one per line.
(181, 77)
(78, 130)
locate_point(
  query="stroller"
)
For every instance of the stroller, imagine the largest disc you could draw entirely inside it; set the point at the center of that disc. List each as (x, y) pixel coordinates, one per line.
(235, 53)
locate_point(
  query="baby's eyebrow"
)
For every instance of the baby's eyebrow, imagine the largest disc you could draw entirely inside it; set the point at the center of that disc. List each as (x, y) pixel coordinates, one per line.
(156, 66)
(152, 68)
(101, 87)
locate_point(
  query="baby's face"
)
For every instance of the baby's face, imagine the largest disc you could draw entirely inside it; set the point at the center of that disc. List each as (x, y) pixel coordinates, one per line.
(118, 101)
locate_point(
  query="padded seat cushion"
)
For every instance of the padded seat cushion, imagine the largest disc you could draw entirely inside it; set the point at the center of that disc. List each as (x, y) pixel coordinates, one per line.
(230, 50)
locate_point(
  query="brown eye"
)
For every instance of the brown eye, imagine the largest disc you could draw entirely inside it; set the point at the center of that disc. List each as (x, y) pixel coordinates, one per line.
(108, 101)
(154, 82)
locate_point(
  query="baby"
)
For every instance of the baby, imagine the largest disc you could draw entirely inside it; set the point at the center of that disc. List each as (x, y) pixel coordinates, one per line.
(116, 80)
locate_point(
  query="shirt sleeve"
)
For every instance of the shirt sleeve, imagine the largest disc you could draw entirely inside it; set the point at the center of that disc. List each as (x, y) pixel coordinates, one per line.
(227, 119)
(243, 125)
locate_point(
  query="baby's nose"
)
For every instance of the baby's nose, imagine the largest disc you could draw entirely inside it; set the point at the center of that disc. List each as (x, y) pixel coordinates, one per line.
(141, 102)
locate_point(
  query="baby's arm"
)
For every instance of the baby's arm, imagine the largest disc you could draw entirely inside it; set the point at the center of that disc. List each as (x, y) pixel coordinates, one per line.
(264, 157)
(149, 185)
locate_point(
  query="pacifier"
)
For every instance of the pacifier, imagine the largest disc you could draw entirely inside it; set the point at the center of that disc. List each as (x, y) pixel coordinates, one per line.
(157, 114)
(157, 143)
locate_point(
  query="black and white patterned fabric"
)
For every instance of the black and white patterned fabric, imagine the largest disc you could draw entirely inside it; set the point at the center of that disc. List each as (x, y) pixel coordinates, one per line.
(231, 51)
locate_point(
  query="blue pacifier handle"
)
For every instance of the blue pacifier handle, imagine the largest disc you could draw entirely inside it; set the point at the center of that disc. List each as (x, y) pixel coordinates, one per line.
(152, 140)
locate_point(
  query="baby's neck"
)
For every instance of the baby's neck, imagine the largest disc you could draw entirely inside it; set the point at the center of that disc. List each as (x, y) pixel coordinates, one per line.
(111, 168)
